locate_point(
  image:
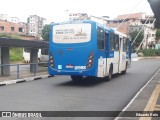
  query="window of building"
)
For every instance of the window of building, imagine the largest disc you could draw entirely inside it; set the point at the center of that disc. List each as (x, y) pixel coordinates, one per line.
(112, 41)
(100, 38)
(12, 28)
(116, 47)
(2, 28)
(20, 30)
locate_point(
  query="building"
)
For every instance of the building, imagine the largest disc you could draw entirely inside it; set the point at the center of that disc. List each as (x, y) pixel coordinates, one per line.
(135, 22)
(132, 22)
(100, 20)
(35, 25)
(12, 28)
(14, 19)
(123, 28)
(78, 16)
(147, 26)
(4, 17)
(132, 16)
(12, 25)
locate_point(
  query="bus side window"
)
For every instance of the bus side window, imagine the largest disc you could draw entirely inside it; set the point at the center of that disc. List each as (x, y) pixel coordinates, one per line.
(112, 41)
(100, 38)
(106, 40)
(116, 47)
(124, 44)
(127, 44)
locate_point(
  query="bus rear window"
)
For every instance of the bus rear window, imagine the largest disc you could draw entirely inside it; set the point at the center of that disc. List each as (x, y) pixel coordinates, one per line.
(72, 33)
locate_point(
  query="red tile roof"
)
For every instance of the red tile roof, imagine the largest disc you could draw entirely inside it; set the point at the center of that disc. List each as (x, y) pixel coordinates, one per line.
(131, 16)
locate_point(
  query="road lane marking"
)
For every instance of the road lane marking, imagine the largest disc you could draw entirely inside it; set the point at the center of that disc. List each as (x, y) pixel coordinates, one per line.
(128, 105)
(152, 102)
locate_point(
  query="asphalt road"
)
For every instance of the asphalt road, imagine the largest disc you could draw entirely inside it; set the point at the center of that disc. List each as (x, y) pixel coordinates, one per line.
(62, 94)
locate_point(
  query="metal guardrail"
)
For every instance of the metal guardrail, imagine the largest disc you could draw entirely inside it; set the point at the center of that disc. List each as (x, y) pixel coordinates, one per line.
(18, 71)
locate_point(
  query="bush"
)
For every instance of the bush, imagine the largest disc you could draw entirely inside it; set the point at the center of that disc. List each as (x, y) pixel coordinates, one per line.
(151, 52)
(7, 35)
(16, 54)
(157, 52)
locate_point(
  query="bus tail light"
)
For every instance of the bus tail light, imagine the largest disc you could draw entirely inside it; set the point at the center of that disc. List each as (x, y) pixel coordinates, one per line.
(90, 60)
(51, 60)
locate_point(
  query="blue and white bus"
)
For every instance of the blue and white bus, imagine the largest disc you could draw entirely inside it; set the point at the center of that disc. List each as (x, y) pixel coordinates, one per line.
(87, 48)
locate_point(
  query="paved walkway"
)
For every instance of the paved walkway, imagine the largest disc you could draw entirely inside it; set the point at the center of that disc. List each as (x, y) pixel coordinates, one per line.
(147, 99)
(24, 72)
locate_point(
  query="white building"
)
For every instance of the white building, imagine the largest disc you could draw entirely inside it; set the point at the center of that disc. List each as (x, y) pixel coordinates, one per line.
(35, 25)
(4, 17)
(14, 19)
(78, 16)
(148, 28)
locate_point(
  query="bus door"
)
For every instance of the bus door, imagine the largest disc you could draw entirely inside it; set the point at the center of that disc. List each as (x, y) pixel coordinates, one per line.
(116, 53)
(101, 52)
(120, 53)
(106, 51)
(122, 62)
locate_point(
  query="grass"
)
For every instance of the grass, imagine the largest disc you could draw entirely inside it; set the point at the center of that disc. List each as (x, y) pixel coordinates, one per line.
(13, 36)
(16, 54)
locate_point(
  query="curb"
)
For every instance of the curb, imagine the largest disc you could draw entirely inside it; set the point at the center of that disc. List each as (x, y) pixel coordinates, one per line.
(4, 83)
(137, 99)
(154, 57)
(142, 58)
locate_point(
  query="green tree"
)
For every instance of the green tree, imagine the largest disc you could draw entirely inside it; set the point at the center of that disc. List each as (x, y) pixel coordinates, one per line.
(138, 40)
(45, 32)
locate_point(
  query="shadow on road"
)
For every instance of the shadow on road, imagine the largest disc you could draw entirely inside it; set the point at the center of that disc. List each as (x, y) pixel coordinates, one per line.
(87, 82)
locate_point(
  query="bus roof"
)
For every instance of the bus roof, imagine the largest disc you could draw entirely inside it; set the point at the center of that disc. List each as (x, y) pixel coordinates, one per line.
(73, 22)
(91, 21)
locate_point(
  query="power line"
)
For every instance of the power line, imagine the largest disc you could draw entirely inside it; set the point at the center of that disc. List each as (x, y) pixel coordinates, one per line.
(140, 31)
(130, 13)
(143, 38)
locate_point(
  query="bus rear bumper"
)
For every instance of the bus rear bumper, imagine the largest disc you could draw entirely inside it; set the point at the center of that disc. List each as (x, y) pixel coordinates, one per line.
(88, 72)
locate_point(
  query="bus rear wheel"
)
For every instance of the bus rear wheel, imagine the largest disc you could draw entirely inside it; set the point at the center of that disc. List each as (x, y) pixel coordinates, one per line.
(78, 78)
(109, 77)
(124, 71)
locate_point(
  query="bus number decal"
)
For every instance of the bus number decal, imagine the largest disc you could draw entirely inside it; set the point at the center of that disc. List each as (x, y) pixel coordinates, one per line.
(80, 67)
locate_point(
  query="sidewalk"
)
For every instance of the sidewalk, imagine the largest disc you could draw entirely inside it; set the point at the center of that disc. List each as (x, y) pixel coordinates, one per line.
(24, 75)
(147, 99)
(24, 72)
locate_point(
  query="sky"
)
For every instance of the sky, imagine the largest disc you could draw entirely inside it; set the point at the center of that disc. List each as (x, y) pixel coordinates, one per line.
(57, 10)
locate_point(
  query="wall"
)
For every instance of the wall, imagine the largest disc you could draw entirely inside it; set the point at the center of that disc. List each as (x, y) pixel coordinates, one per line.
(10, 27)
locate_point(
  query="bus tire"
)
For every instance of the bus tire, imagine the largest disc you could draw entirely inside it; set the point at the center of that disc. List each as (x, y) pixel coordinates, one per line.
(109, 77)
(76, 78)
(124, 71)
